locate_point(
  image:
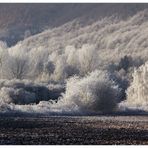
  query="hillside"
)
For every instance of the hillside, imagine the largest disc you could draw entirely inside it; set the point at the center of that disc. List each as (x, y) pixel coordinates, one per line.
(18, 21)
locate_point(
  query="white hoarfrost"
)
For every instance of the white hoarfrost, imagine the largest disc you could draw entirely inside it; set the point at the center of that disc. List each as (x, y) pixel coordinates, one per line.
(93, 93)
(137, 93)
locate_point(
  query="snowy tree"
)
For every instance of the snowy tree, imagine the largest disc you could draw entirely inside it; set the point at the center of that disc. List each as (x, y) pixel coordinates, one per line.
(17, 67)
(87, 58)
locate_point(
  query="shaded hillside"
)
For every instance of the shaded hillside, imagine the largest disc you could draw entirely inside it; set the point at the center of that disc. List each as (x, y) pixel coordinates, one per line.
(18, 21)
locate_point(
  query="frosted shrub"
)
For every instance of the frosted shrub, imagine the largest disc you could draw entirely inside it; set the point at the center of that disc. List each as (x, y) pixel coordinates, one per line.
(95, 92)
(27, 92)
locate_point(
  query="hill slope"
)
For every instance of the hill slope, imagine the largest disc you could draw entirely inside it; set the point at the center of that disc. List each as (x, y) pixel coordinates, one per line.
(22, 20)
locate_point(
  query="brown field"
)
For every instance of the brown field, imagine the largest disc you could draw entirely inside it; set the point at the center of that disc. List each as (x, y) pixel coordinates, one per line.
(86, 130)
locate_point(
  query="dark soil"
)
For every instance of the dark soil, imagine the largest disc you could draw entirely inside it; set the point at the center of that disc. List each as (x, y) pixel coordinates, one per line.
(74, 130)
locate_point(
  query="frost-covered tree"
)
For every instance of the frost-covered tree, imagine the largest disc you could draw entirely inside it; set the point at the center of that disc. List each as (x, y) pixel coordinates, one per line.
(3, 55)
(18, 67)
(87, 58)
